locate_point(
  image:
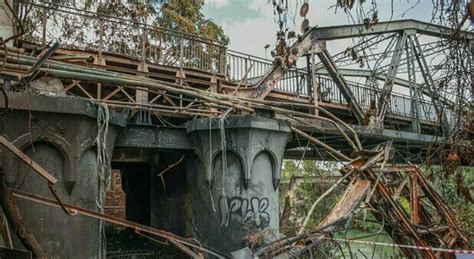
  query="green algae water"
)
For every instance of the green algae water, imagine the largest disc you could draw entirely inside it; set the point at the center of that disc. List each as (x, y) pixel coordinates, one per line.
(366, 250)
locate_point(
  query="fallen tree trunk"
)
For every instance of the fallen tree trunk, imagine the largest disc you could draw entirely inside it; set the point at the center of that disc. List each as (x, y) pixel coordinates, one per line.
(285, 215)
(12, 213)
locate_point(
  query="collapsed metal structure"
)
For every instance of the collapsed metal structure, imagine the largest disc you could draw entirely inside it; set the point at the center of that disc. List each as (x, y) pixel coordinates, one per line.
(161, 79)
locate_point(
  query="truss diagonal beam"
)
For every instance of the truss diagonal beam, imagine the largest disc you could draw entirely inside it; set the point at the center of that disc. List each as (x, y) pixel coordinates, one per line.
(429, 83)
(341, 83)
(414, 90)
(380, 75)
(385, 94)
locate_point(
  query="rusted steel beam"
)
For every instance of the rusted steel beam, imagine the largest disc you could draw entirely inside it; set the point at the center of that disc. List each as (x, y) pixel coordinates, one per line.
(442, 208)
(447, 229)
(391, 208)
(347, 205)
(397, 211)
(414, 201)
(341, 84)
(341, 213)
(120, 222)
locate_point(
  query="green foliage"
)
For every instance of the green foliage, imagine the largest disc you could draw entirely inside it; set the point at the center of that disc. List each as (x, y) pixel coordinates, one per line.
(447, 186)
(186, 15)
(179, 15)
(368, 224)
(311, 182)
(290, 168)
(405, 203)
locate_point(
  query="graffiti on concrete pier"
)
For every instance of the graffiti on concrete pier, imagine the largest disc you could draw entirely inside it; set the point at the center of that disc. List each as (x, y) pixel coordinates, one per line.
(251, 211)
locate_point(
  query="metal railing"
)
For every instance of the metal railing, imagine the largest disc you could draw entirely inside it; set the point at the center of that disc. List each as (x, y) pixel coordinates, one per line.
(295, 82)
(84, 30)
(238, 63)
(400, 104)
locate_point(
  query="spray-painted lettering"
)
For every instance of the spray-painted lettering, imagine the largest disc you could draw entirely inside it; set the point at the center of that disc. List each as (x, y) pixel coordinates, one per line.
(249, 210)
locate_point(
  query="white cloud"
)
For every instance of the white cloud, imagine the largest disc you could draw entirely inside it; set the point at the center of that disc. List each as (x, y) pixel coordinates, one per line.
(263, 7)
(251, 35)
(217, 3)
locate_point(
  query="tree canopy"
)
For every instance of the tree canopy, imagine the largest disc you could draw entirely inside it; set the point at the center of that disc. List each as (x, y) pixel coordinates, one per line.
(180, 15)
(186, 15)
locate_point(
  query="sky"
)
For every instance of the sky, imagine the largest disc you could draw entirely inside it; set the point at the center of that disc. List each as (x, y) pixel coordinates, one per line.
(251, 25)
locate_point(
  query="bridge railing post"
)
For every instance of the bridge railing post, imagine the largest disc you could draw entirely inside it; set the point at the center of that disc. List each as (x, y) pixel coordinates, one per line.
(224, 58)
(143, 45)
(181, 51)
(246, 65)
(101, 37)
(44, 21)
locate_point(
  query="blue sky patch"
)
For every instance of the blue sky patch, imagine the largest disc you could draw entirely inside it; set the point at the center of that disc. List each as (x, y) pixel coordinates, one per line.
(234, 11)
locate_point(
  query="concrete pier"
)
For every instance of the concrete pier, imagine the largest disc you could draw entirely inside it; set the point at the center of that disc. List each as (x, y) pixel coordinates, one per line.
(59, 133)
(235, 198)
(174, 178)
(191, 194)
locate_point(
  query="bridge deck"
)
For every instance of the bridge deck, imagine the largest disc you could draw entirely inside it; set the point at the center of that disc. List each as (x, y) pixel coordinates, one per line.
(120, 98)
(194, 62)
(293, 88)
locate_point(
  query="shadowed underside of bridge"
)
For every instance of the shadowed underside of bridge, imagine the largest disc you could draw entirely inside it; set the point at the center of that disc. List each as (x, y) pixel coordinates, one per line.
(219, 122)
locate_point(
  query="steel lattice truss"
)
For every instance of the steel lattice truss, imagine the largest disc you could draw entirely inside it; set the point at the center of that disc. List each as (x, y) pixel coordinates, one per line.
(409, 57)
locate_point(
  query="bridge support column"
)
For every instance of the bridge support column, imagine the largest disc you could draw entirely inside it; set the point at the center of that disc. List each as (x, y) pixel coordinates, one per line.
(235, 193)
(59, 133)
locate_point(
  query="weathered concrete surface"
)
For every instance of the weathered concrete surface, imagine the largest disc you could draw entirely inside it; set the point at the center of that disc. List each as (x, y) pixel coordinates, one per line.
(230, 205)
(143, 152)
(6, 21)
(174, 178)
(47, 85)
(170, 207)
(150, 137)
(175, 181)
(59, 135)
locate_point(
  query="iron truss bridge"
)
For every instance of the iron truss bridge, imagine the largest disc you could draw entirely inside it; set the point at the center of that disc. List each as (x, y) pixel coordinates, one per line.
(386, 84)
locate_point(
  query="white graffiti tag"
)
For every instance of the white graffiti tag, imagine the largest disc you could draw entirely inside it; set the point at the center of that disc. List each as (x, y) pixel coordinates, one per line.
(249, 210)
